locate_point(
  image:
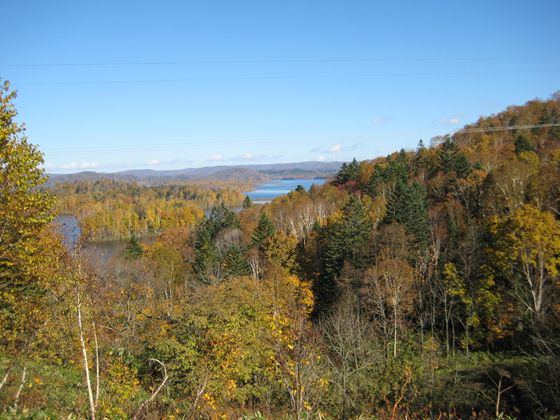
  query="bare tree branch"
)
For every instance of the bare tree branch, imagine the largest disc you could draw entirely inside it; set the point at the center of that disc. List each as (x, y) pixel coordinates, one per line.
(23, 376)
(156, 392)
(85, 356)
(4, 380)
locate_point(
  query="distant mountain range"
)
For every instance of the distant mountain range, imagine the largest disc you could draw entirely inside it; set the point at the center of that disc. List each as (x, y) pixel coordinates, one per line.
(255, 173)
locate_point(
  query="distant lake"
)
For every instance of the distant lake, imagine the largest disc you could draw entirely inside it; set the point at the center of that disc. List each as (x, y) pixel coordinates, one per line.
(101, 251)
(272, 189)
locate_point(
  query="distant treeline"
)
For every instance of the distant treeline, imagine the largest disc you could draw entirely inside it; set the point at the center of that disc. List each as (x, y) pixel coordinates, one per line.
(109, 209)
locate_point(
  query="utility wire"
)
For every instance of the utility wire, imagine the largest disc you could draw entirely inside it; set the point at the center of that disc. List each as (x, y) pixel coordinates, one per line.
(244, 78)
(505, 128)
(275, 61)
(189, 145)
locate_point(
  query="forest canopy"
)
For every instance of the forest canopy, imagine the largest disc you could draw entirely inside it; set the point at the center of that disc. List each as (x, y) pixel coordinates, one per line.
(423, 284)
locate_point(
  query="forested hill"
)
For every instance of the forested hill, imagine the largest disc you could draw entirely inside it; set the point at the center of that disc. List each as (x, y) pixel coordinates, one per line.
(424, 284)
(255, 173)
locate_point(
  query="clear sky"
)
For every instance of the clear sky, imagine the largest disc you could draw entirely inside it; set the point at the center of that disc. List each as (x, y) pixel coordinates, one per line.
(112, 85)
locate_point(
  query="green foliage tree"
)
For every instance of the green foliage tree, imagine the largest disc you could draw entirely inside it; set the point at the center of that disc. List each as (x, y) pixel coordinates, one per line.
(133, 249)
(300, 189)
(264, 230)
(247, 202)
(235, 263)
(348, 172)
(208, 263)
(385, 176)
(452, 159)
(523, 144)
(345, 240)
(407, 206)
(219, 218)
(207, 257)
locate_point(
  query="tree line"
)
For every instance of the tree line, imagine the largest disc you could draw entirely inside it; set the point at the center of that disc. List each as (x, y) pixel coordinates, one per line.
(109, 209)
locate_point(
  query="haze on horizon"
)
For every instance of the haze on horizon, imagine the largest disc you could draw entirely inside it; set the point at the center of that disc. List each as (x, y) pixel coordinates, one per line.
(109, 87)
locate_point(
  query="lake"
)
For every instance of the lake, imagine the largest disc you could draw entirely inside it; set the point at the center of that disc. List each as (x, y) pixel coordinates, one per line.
(101, 251)
(270, 190)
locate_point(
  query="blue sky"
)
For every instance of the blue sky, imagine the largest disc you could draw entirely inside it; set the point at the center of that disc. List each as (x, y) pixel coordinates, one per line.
(112, 85)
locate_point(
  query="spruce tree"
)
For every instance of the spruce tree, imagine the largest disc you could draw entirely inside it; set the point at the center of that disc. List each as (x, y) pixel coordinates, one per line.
(451, 159)
(407, 206)
(264, 230)
(220, 218)
(133, 250)
(523, 144)
(206, 254)
(235, 264)
(348, 172)
(247, 203)
(344, 242)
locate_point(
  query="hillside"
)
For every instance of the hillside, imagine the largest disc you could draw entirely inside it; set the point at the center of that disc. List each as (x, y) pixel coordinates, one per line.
(423, 284)
(256, 173)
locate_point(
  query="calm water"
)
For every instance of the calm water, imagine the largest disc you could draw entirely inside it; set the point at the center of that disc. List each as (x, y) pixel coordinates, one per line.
(271, 190)
(100, 250)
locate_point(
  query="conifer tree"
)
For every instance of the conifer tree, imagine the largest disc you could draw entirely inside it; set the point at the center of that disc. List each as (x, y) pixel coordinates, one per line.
(133, 248)
(206, 254)
(348, 172)
(344, 241)
(451, 159)
(220, 218)
(523, 144)
(407, 206)
(264, 230)
(247, 202)
(235, 264)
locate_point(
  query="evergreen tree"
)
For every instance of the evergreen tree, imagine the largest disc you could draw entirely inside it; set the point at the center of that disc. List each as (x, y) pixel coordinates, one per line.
(394, 171)
(344, 242)
(264, 230)
(133, 250)
(523, 144)
(348, 172)
(407, 206)
(247, 202)
(220, 218)
(447, 155)
(451, 159)
(206, 254)
(235, 264)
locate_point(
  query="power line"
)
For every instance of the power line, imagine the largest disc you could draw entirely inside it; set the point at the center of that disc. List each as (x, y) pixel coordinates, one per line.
(506, 128)
(275, 61)
(247, 78)
(125, 148)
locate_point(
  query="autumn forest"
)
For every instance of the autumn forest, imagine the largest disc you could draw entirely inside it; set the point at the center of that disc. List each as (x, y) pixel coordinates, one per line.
(423, 284)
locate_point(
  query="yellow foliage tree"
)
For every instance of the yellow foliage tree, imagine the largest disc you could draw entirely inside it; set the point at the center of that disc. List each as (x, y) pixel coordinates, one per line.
(24, 214)
(528, 246)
